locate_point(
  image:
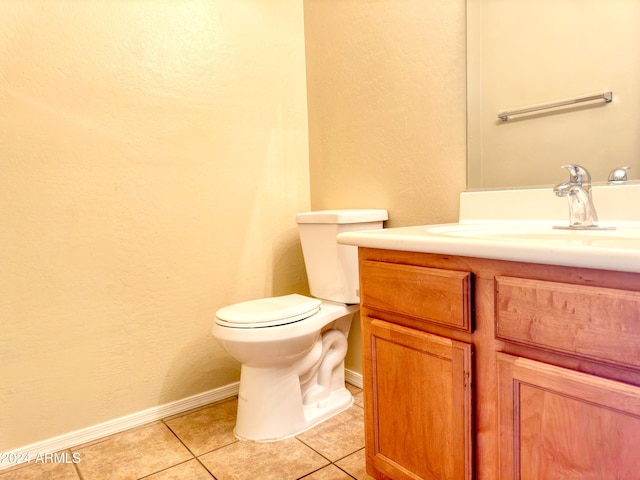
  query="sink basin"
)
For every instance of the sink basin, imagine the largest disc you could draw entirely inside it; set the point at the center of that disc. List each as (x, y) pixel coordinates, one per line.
(517, 225)
(531, 242)
(619, 237)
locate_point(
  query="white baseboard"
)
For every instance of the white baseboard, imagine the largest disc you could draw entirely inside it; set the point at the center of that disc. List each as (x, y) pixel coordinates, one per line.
(153, 414)
(354, 378)
(117, 425)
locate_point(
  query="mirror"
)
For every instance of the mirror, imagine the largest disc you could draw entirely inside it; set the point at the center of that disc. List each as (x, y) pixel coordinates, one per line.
(524, 53)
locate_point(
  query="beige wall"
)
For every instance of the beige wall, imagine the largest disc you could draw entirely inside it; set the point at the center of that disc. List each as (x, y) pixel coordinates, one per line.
(153, 160)
(386, 97)
(154, 154)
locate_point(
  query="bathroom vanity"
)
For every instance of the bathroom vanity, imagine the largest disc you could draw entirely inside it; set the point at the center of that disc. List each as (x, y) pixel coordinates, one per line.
(494, 350)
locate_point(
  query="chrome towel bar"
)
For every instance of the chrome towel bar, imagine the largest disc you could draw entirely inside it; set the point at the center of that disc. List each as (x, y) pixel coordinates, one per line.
(606, 96)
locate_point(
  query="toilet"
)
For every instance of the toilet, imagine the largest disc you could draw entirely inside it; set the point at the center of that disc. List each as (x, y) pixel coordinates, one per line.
(292, 348)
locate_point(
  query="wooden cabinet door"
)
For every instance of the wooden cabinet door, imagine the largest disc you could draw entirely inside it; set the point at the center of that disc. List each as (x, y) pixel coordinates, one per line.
(557, 424)
(418, 403)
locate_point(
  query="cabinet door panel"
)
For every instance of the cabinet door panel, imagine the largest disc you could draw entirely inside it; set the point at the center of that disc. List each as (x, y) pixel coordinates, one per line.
(592, 322)
(557, 423)
(419, 403)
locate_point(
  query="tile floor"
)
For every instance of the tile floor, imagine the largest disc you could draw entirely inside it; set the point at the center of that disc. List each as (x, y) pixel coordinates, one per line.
(199, 445)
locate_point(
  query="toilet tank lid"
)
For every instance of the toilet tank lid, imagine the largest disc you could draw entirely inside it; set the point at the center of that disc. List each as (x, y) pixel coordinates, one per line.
(343, 216)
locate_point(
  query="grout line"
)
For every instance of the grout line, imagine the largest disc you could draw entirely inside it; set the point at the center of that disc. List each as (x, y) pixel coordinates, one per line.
(314, 450)
(314, 471)
(164, 469)
(205, 467)
(179, 439)
(343, 470)
(349, 454)
(306, 475)
(77, 469)
(195, 457)
(97, 433)
(196, 407)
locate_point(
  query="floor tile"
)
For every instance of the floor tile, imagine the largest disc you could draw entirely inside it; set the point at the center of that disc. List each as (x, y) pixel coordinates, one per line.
(330, 472)
(356, 465)
(358, 399)
(207, 428)
(287, 459)
(132, 454)
(338, 436)
(38, 471)
(191, 470)
(358, 394)
(352, 388)
(157, 451)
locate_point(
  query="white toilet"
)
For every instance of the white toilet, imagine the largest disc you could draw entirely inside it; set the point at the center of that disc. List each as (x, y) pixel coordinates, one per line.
(292, 348)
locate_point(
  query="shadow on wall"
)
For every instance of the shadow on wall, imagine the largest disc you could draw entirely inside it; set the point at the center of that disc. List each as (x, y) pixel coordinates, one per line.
(288, 270)
(201, 366)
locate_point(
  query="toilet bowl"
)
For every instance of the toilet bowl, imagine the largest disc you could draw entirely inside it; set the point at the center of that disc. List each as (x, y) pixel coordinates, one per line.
(292, 375)
(292, 348)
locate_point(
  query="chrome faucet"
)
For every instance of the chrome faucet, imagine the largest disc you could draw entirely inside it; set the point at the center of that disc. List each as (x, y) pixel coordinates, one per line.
(582, 213)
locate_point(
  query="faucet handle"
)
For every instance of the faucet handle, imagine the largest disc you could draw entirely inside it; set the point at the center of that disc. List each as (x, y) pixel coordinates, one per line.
(619, 175)
(577, 172)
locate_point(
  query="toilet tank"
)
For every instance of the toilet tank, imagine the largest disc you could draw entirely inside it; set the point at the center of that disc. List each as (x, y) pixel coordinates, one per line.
(332, 269)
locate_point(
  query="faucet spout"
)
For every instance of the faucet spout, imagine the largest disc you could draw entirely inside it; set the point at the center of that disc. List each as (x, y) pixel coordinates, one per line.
(562, 189)
(578, 175)
(582, 212)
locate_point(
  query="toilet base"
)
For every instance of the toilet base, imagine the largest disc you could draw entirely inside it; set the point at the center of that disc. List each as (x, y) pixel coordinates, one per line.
(338, 401)
(273, 406)
(280, 399)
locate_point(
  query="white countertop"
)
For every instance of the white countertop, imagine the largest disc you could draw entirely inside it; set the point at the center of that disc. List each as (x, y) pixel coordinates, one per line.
(493, 226)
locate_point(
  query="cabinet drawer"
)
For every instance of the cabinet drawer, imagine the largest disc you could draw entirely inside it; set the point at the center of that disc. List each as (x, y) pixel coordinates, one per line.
(430, 294)
(592, 322)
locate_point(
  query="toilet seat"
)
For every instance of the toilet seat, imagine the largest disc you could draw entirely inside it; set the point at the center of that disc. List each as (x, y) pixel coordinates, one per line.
(268, 312)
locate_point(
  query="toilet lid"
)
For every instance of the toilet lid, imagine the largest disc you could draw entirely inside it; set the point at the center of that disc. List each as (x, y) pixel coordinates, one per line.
(268, 312)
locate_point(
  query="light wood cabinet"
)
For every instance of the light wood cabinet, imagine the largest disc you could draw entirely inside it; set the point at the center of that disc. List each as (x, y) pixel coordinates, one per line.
(419, 406)
(579, 320)
(432, 295)
(558, 423)
(486, 369)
